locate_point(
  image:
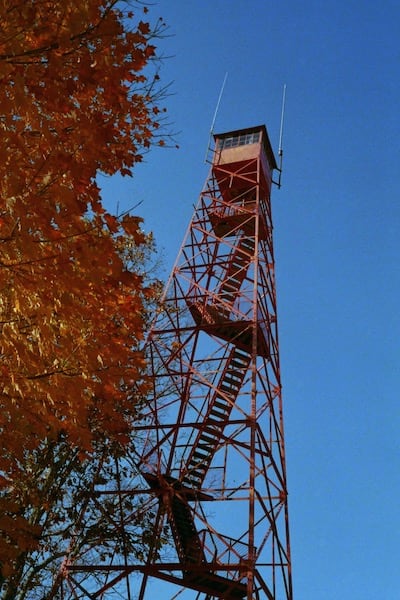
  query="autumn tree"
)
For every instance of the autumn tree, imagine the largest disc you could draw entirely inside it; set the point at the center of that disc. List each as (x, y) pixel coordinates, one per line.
(77, 99)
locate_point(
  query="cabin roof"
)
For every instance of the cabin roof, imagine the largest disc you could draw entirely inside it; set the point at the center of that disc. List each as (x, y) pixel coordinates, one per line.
(265, 140)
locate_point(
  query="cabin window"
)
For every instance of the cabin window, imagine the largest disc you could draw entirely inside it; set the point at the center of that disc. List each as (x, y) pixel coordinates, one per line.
(239, 140)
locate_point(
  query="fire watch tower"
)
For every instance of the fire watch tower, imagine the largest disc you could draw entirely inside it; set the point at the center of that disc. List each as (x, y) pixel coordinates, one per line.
(215, 456)
(212, 459)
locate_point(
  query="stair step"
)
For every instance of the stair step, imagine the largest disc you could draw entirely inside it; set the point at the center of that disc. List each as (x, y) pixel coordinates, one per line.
(233, 381)
(199, 455)
(228, 290)
(233, 280)
(193, 475)
(222, 405)
(237, 260)
(235, 277)
(214, 428)
(239, 364)
(231, 376)
(219, 415)
(241, 355)
(196, 471)
(221, 409)
(207, 439)
(210, 430)
(216, 420)
(199, 459)
(227, 297)
(230, 389)
(204, 447)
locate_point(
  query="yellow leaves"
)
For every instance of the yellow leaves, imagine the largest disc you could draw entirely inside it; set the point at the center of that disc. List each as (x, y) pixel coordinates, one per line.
(71, 313)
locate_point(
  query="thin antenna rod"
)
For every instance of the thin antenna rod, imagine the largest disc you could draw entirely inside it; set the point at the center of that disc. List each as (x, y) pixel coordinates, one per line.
(282, 117)
(215, 115)
(280, 151)
(218, 103)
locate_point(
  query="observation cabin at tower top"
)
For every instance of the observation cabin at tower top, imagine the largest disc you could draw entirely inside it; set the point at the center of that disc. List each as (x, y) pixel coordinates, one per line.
(244, 145)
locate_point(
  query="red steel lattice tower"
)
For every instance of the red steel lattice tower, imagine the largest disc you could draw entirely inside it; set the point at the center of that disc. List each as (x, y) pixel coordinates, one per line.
(212, 463)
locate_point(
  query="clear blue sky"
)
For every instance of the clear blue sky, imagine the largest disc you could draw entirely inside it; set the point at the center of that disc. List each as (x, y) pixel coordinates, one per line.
(337, 245)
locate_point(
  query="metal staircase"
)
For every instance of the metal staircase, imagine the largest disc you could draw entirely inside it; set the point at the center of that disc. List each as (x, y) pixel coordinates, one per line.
(220, 407)
(209, 435)
(196, 572)
(235, 274)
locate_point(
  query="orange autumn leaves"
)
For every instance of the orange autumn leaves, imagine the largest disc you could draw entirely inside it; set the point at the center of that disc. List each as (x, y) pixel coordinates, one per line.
(75, 101)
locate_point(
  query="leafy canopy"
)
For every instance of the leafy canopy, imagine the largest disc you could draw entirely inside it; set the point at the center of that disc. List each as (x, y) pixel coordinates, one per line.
(75, 101)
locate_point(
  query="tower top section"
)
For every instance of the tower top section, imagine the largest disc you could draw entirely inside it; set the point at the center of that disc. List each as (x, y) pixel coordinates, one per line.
(238, 151)
(242, 144)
